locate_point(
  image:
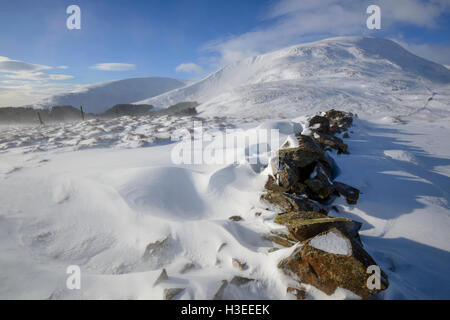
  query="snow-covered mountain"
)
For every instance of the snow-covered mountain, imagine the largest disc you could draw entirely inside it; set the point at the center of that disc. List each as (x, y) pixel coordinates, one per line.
(99, 97)
(344, 72)
(109, 196)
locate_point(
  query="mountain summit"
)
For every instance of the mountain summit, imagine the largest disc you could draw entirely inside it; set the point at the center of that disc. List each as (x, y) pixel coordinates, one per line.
(343, 72)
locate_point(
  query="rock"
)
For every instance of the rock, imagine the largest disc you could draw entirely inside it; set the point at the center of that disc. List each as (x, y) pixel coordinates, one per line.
(272, 184)
(281, 241)
(339, 120)
(187, 267)
(238, 264)
(302, 228)
(235, 218)
(291, 202)
(346, 135)
(171, 293)
(155, 249)
(335, 208)
(300, 294)
(332, 142)
(258, 214)
(327, 271)
(351, 194)
(308, 152)
(219, 293)
(221, 246)
(320, 186)
(273, 250)
(319, 124)
(239, 281)
(162, 277)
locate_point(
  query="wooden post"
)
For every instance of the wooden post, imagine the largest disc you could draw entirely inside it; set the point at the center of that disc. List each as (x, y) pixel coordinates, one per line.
(40, 119)
(82, 113)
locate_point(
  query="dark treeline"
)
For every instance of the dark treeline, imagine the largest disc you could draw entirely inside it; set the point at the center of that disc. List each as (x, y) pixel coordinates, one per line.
(13, 115)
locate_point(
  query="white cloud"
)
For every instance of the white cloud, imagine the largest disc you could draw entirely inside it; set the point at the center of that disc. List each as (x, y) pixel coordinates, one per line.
(62, 67)
(189, 68)
(114, 66)
(289, 22)
(38, 76)
(28, 82)
(16, 66)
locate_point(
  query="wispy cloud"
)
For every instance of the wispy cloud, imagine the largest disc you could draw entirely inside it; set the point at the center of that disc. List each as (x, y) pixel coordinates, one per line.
(289, 22)
(190, 68)
(114, 66)
(24, 82)
(16, 66)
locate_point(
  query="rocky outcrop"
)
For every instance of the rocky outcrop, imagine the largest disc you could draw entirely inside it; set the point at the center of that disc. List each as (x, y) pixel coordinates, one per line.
(329, 270)
(302, 188)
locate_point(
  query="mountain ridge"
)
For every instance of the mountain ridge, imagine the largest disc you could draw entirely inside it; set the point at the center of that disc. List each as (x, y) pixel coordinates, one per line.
(344, 72)
(99, 97)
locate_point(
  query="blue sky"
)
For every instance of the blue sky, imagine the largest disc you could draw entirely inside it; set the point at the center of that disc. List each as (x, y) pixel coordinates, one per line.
(186, 38)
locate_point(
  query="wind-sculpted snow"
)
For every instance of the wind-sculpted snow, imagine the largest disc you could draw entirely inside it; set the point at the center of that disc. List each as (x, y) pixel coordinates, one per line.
(361, 75)
(123, 132)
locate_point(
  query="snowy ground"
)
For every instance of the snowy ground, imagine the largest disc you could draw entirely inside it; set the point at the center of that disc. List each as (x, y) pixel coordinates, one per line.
(92, 194)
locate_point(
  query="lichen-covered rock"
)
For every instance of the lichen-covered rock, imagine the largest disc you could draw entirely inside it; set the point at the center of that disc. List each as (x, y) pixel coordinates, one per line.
(305, 225)
(292, 202)
(331, 141)
(351, 194)
(307, 153)
(319, 124)
(329, 269)
(339, 120)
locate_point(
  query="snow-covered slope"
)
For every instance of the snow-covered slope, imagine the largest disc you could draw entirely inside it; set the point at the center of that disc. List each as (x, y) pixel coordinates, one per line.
(344, 73)
(99, 97)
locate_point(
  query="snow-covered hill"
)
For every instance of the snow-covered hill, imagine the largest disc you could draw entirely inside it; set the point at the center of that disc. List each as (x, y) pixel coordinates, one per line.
(99, 97)
(345, 73)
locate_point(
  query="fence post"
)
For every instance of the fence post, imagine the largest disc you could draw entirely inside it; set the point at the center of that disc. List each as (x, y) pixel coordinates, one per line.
(40, 119)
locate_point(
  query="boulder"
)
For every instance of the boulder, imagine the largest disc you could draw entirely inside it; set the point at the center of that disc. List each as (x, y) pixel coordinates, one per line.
(319, 185)
(171, 293)
(340, 121)
(319, 124)
(162, 277)
(292, 202)
(343, 263)
(303, 226)
(351, 194)
(331, 141)
(307, 153)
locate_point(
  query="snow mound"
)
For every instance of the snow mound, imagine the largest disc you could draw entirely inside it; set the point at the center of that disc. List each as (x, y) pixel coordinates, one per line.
(332, 242)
